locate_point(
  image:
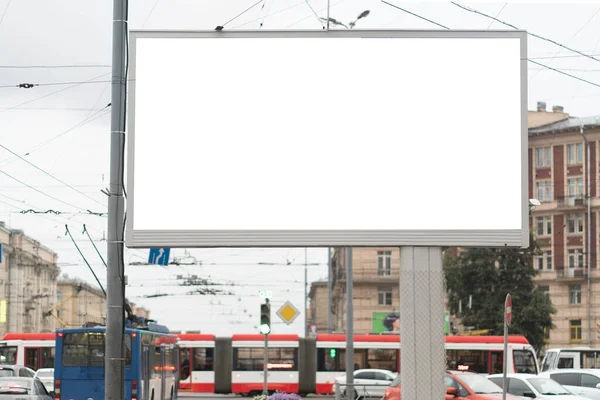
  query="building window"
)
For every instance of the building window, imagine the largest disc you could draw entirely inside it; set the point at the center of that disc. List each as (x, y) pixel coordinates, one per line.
(544, 190)
(575, 329)
(544, 225)
(384, 263)
(575, 153)
(544, 261)
(575, 188)
(543, 157)
(575, 294)
(575, 223)
(385, 296)
(575, 258)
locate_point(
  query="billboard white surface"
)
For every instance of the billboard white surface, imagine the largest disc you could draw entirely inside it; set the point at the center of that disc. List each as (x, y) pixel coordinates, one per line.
(313, 138)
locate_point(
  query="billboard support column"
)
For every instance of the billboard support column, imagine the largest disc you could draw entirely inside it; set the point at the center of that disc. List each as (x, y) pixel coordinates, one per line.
(421, 322)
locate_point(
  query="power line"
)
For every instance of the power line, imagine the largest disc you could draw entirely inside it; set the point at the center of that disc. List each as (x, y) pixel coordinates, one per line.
(54, 66)
(220, 27)
(84, 259)
(41, 192)
(43, 144)
(51, 94)
(529, 33)
(528, 59)
(50, 175)
(4, 13)
(314, 13)
(150, 13)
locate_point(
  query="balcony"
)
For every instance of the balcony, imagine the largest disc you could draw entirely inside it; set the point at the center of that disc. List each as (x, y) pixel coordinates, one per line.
(570, 202)
(571, 274)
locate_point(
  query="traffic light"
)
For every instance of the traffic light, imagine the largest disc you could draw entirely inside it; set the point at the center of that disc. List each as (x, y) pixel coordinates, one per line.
(332, 353)
(265, 318)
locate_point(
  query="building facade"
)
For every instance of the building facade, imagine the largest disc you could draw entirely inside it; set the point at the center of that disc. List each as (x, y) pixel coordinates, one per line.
(28, 274)
(557, 173)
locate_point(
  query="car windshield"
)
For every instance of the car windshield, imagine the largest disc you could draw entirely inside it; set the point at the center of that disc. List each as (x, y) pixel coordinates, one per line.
(479, 384)
(547, 387)
(46, 373)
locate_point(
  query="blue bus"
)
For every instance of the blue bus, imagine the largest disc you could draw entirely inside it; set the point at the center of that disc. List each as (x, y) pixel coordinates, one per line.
(151, 363)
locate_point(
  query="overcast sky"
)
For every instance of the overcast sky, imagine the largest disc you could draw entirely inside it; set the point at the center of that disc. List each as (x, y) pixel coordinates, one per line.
(63, 126)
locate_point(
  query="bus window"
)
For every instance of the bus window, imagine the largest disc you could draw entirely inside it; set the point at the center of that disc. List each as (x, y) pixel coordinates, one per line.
(549, 360)
(203, 359)
(47, 357)
(382, 359)
(87, 349)
(524, 362)
(8, 355)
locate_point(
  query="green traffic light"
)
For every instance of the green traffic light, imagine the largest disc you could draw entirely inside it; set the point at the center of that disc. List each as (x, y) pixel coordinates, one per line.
(265, 329)
(332, 353)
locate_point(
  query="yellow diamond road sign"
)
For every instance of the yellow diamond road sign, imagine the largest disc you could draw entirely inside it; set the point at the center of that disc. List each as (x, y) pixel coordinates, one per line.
(288, 312)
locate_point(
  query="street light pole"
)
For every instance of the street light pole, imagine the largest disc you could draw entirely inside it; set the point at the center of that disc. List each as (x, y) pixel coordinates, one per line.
(589, 238)
(305, 292)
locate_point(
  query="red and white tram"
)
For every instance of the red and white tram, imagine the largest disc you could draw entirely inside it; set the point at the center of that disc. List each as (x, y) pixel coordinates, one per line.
(34, 350)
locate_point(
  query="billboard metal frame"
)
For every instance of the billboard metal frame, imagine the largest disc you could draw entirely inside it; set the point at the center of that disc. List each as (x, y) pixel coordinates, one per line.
(328, 238)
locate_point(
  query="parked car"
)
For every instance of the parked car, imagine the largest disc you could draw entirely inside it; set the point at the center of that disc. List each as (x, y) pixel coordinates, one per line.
(21, 388)
(582, 382)
(369, 382)
(16, 370)
(459, 386)
(534, 387)
(46, 375)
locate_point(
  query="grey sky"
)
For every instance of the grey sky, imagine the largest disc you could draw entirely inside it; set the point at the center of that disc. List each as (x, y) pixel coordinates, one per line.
(39, 33)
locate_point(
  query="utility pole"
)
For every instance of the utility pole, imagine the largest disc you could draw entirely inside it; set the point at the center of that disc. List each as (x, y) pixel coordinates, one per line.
(588, 256)
(114, 387)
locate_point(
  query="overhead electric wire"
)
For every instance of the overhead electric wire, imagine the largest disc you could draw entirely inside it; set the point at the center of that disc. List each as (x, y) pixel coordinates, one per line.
(315, 13)
(50, 94)
(41, 192)
(4, 13)
(528, 59)
(472, 10)
(50, 175)
(54, 66)
(85, 121)
(220, 27)
(150, 13)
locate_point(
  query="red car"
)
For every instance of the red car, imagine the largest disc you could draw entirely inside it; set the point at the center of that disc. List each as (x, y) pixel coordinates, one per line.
(459, 385)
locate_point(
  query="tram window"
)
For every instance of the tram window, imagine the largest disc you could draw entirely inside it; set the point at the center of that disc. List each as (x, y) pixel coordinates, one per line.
(326, 359)
(203, 359)
(8, 355)
(469, 360)
(251, 359)
(185, 363)
(524, 362)
(383, 359)
(47, 357)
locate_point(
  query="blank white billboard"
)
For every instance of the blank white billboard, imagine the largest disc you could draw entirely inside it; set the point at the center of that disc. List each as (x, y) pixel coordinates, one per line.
(327, 138)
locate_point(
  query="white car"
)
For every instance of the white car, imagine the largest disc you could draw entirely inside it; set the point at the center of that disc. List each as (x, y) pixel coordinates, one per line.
(529, 386)
(369, 382)
(46, 375)
(582, 382)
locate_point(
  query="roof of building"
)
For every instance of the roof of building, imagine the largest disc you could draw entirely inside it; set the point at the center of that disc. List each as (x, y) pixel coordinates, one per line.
(571, 123)
(84, 285)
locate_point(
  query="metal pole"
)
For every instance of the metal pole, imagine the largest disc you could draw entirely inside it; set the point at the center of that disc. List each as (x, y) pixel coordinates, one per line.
(505, 355)
(306, 292)
(349, 327)
(265, 370)
(114, 387)
(328, 7)
(589, 239)
(329, 290)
